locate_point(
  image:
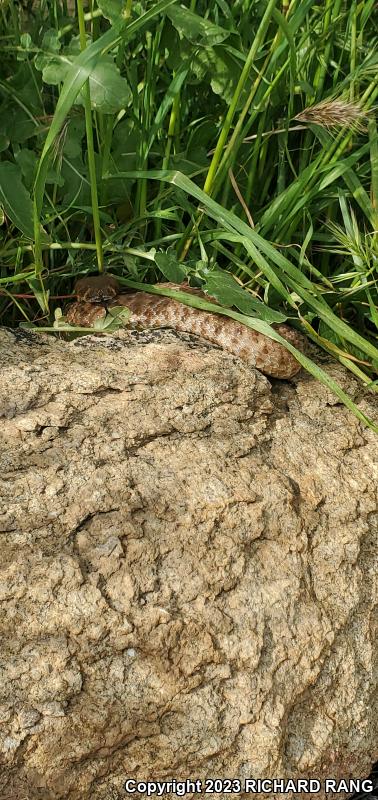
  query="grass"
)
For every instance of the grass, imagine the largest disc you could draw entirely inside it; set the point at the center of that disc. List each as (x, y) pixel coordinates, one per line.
(171, 140)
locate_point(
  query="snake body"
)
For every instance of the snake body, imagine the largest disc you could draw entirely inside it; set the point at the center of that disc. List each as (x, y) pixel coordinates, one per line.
(96, 294)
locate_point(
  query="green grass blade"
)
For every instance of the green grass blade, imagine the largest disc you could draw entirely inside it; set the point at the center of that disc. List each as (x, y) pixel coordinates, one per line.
(259, 248)
(15, 198)
(77, 75)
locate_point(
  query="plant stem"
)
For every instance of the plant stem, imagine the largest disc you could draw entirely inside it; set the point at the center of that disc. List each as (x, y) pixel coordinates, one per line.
(218, 152)
(353, 50)
(374, 171)
(168, 147)
(90, 147)
(257, 42)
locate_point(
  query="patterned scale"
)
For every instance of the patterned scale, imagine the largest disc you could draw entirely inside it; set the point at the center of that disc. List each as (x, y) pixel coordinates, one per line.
(156, 311)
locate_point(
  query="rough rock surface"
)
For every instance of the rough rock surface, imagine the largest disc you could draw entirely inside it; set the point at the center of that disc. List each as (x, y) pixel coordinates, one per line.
(188, 569)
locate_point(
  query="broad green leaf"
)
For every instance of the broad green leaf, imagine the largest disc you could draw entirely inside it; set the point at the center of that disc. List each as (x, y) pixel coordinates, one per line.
(113, 10)
(78, 73)
(170, 267)
(109, 92)
(85, 63)
(125, 144)
(18, 125)
(26, 41)
(55, 68)
(227, 291)
(196, 28)
(222, 68)
(115, 318)
(15, 199)
(4, 142)
(27, 161)
(224, 72)
(51, 41)
(18, 118)
(50, 48)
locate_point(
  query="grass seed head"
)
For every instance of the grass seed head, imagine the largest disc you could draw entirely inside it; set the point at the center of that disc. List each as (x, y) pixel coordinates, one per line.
(335, 114)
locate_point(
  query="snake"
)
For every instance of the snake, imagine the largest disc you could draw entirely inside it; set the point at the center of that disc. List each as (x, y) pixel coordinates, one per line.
(96, 294)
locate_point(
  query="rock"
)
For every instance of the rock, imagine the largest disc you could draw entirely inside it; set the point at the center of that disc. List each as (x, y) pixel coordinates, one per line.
(189, 570)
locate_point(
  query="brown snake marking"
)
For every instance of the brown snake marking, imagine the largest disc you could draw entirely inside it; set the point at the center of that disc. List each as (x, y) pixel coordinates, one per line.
(95, 294)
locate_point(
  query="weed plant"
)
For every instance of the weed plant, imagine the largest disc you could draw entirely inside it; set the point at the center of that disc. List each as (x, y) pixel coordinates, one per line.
(232, 142)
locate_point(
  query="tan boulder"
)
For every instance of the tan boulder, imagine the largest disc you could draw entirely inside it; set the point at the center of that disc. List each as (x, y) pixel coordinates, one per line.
(188, 571)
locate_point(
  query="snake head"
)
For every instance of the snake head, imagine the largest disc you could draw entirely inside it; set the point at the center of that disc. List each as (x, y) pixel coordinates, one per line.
(97, 289)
